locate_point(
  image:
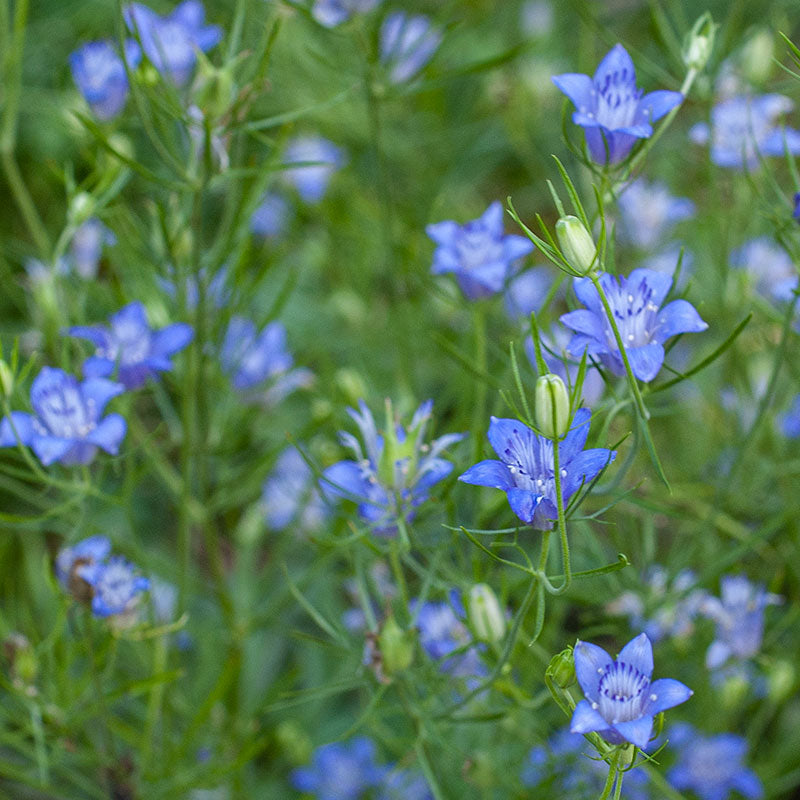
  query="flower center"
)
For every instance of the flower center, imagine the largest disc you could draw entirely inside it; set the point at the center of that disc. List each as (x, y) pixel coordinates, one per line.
(622, 692)
(636, 315)
(618, 100)
(476, 247)
(63, 413)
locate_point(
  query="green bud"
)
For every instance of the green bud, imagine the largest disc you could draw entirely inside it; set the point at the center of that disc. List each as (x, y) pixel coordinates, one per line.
(577, 245)
(351, 384)
(396, 647)
(214, 87)
(552, 406)
(294, 742)
(486, 617)
(562, 669)
(6, 379)
(699, 43)
(757, 56)
(780, 680)
(81, 208)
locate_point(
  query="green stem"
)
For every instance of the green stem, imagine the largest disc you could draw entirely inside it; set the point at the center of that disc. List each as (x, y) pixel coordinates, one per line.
(613, 772)
(479, 410)
(397, 571)
(562, 523)
(26, 205)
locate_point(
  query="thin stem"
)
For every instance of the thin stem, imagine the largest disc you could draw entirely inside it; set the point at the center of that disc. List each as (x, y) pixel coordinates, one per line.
(26, 205)
(613, 772)
(397, 572)
(562, 524)
(479, 409)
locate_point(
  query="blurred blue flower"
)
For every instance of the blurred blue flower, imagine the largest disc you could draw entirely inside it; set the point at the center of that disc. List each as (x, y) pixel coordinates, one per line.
(331, 13)
(775, 273)
(217, 292)
(404, 784)
(341, 771)
(270, 217)
(393, 474)
(115, 585)
(648, 211)
(66, 424)
(666, 261)
(643, 325)
(290, 494)
(319, 157)
(129, 346)
(711, 766)
(621, 700)
(99, 74)
(171, 42)
(525, 470)
(744, 128)
(479, 254)
(536, 18)
(164, 600)
(790, 421)
(92, 550)
(611, 110)
(407, 44)
(739, 617)
(87, 247)
(526, 291)
(796, 212)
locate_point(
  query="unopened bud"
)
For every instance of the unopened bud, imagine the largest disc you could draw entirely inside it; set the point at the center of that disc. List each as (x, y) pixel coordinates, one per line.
(486, 617)
(552, 406)
(562, 669)
(699, 43)
(780, 680)
(396, 647)
(577, 245)
(81, 208)
(6, 379)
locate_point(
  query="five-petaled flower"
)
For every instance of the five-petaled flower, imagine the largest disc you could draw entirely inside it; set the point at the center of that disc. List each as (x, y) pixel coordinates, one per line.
(66, 424)
(621, 700)
(478, 253)
(611, 110)
(525, 471)
(394, 472)
(643, 325)
(131, 347)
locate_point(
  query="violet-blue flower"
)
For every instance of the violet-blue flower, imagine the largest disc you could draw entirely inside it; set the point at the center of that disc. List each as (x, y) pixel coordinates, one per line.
(643, 325)
(526, 291)
(341, 771)
(404, 784)
(270, 217)
(525, 470)
(796, 212)
(91, 550)
(290, 494)
(115, 585)
(99, 74)
(393, 472)
(87, 247)
(407, 44)
(648, 211)
(331, 13)
(790, 421)
(317, 160)
(478, 253)
(66, 425)
(611, 110)
(711, 766)
(744, 128)
(621, 700)
(171, 42)
(774, 271)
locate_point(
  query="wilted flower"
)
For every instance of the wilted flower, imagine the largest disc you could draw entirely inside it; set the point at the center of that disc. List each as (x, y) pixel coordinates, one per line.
(270, 217)
(129, 346)
(648, 211)
(744, 127)
(115, 585)
(290, 494)
(775, 273)
(611, 110)
(643, 325)
(525, 470)
(99, 74)
(394, 472)
(739, 615)
(66, 424)
(331, 13)
(621, 700)
(711, 766)
(479, 254)
(171, 42)
(790, 421)
(319, 157)
(407, 44)
(87, 247)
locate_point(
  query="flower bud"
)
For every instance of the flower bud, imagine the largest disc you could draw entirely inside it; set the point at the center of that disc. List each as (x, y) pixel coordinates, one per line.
(396, 647)
(552, 406)
(81, 208)
(699, 43)
(577, 245)
(6, 378)
(780, 680)
(562, 669)
(486, 617)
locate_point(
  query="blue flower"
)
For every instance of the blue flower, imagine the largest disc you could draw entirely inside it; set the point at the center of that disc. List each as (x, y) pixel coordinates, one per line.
(526, 292)
(404, 784)
(290, 494)
(711, 766)
(739, 616)
(171, 42)
(648, 211)
(525, 469)
(643, 325)
(88, 551)
(66, 424)
(87, 247)
(100, 76)
(393, 474)
(319, 157)
(621, 700)
(216, 290)
(744, 128)
(796, 212)
(790, 421)
(611, 110)
(331, 13)
(407, 44)
(341, 771)
(115, 585)
(130, 347)
(270, 217)
(478, 253)
(771, 266)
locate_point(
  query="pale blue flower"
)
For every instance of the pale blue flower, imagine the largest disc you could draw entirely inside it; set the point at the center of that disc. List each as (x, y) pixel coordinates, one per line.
(290, 494)
(790, 421)
(526, 291)
(404, 784)
(774, 271)
(87, 247)
(407, 44)
(92, 550)
(319, 158)
(115, 585)
(271, 216)
(331, 13)
(648, 211)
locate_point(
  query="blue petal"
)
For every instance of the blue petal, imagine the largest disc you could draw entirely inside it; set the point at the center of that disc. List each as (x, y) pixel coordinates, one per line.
(488, 473)
(23, 423)
(132, 315)
(584, 321)
(653, 106)
(646, 360)
(585, 292)
(584, 467)
(668, 693)
(99, 391)
(717, 654)
(436, 469)
(515, 247)
(343, 479)
(578, 88)
(586, 719)
(545, 515)
(97, 335)
(746, 782)
(96, 367)
(636, 731)
(779, 140)
(575, 439)
(513, 441)
(491, 275)
(443, 233)
(676, 317)
(109, 433)
(48, 380)
(638, 653)
(171, 339)
(658, 282)
(50, 448)
(524, 503)
(591, 662)
(617, 61)
(492, 218)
